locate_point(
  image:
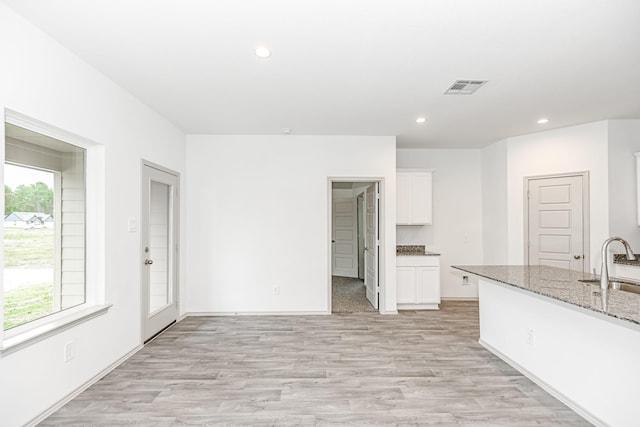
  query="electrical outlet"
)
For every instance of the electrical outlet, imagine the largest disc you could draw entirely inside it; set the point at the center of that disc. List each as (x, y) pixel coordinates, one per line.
(69, 351)
(531, 338)
(465, 280)
(276, 290)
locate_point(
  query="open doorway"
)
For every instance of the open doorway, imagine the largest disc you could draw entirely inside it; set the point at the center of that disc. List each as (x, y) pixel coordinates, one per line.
(355, 246)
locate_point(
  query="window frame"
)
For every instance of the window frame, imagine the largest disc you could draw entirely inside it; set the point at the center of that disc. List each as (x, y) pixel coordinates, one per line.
(95, 304)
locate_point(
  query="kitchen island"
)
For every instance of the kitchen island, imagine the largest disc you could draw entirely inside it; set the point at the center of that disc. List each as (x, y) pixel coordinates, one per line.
(577, 342)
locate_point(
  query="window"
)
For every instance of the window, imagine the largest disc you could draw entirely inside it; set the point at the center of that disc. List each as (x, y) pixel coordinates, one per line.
(44, 226)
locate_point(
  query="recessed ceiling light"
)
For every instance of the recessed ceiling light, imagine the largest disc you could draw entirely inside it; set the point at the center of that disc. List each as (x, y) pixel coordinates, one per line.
(421, 119)
(543, 121)
(286, 131)
(262, 52)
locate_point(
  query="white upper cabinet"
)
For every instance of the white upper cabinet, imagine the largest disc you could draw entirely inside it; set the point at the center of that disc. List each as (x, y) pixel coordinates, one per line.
(414, 197)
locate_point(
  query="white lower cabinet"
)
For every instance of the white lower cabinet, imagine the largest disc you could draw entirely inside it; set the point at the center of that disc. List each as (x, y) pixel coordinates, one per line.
(418, 282)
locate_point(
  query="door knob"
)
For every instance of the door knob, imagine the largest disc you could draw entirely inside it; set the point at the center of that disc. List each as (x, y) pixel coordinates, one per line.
(148, 261)
(577, 257)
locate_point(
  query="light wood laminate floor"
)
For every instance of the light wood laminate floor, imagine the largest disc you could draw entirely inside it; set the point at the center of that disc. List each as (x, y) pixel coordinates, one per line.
(413, 369)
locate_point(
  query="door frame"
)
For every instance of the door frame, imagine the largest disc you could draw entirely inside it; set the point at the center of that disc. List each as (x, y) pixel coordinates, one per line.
(381, 234)
(586, 227)
(176, 240)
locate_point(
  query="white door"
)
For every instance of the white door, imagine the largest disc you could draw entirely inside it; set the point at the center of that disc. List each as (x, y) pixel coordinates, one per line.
(372, 247)
(159, 243)
(345, 234)
(556, 222)
(361, 214)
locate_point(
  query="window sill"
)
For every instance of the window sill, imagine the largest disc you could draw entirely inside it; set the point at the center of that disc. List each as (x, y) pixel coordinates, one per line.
(27, 338)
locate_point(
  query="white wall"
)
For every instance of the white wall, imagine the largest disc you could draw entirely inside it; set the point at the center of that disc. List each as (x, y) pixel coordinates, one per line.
(571, 149)
(258, 217)
(624, 140)
(42, 80)
(456, 232)
(494, 204)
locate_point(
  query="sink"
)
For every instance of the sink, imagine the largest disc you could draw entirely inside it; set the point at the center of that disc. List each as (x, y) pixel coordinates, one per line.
(624, 286)
(618, 285)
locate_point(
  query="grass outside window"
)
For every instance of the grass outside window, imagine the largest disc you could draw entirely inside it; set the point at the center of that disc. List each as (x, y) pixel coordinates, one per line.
(27, 251)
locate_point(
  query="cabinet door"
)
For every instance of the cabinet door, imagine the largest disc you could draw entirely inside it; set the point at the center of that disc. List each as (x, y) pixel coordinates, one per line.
(427, 285)
(406, 285)
(421, 212)
(403, 198)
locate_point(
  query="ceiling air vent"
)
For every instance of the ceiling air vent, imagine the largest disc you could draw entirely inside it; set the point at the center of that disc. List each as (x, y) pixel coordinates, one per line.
(464, 87)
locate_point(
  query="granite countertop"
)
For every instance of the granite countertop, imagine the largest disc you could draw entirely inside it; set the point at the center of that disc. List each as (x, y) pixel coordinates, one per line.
(563, 285)
(622, 259)
(413, 250)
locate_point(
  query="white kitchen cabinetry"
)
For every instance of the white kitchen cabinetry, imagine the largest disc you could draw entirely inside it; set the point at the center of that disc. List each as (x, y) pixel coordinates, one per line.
(418, 282)
(413, 197)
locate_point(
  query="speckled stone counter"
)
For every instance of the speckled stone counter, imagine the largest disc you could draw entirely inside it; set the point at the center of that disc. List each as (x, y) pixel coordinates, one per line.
(622, 259)
(413, 250)
(563, 285)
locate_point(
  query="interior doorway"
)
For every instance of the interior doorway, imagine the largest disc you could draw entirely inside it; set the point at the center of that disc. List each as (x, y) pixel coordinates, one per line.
(557, 220)
(355, 246)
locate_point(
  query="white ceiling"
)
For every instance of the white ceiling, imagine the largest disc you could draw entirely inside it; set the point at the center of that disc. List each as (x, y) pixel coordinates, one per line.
(361, 67)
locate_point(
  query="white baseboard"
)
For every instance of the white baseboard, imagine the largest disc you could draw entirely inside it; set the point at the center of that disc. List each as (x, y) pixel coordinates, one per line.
(257, 313)
(43, 415)
(433, 306)
(546, 387)
(459, 299)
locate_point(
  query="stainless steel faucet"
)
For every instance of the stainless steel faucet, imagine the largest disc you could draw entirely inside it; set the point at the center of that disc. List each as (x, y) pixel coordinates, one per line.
(604, 272)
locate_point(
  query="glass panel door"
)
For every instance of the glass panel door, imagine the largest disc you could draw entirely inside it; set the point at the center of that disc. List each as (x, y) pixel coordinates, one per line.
(159, 234)
(160, 277)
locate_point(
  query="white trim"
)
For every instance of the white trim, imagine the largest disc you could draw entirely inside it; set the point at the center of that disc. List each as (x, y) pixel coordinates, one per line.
(23, 121)
(546, 387)
(426, 306)
(459, 299)
(256, 313)
(60, 403)
(34, 335)
(160, 168)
